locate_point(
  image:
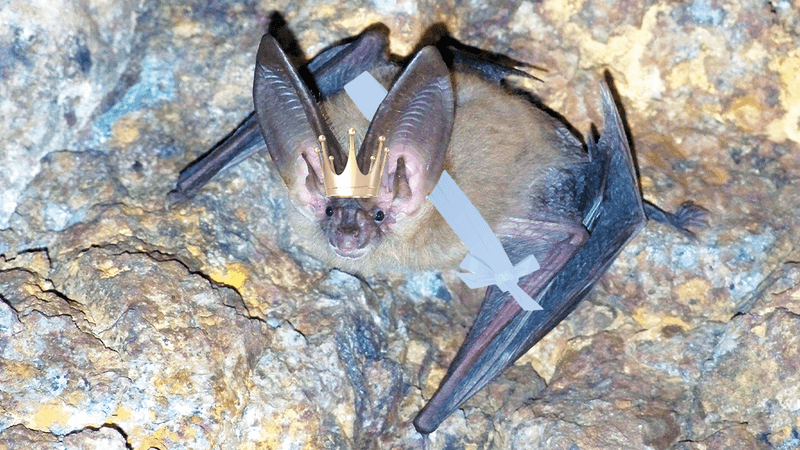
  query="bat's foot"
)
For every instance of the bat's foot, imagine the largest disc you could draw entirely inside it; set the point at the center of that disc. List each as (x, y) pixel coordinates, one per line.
(689, 214)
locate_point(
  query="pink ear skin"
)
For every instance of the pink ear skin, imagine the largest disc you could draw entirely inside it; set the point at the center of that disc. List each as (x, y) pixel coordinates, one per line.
(401, 189)
(308, 195)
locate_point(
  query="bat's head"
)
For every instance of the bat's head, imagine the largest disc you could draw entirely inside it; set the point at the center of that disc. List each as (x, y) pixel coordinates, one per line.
(415, 119)
(355, 226)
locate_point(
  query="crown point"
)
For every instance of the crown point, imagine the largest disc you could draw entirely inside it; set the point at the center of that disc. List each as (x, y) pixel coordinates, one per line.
(352, 183)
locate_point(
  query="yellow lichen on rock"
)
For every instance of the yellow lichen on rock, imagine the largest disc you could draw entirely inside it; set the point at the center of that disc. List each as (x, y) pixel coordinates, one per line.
(717, 175)
(650, 320)
(637, 81)
(345, 416)
(415, 352)
(52, 413)
(694, 289)
(561, 11)
(356, 22)
(234, 274)
(121, 414)
(788, 68)
(185, 28)
(692, 73)
(158, 438)
(544, 356)
(179, 383)
(194, 250)
(432, 381)
(759, 330)
(109, 269)
(17, 369)
(290, 425)
(125, 131)
(747, 113)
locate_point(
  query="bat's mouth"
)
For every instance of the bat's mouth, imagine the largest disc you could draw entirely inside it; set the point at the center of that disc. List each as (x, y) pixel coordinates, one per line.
(354, 253)
(351, 243)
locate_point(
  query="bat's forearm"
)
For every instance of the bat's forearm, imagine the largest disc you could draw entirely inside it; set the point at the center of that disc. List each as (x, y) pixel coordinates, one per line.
(242, 143)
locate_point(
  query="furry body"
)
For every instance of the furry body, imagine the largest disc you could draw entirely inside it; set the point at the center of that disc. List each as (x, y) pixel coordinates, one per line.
(503, 151)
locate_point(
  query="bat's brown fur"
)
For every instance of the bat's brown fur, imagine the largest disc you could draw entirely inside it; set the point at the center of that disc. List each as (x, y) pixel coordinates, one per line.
(500, 153)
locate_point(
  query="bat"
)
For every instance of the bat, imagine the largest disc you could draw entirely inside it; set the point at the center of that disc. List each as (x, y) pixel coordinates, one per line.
(543, 192)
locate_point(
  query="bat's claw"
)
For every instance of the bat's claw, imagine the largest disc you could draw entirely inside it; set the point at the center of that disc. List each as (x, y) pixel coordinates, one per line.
(492, 66)
(688, 214)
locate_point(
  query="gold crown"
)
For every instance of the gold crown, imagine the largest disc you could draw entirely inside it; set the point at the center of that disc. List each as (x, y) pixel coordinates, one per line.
(351, 183)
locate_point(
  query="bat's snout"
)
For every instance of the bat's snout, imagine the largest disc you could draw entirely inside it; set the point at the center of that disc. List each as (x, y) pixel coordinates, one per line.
(350, 243)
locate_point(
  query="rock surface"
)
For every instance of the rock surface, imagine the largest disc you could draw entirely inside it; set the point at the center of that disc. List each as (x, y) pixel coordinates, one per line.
(127, 325)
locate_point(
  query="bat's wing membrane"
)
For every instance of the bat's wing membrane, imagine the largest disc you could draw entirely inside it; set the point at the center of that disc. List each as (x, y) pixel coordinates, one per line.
(340, 64)
(620, 216)
(570, 265)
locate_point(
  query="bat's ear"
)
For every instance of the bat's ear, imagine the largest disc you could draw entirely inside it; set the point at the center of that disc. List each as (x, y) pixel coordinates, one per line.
(416, 117)
(291, 124)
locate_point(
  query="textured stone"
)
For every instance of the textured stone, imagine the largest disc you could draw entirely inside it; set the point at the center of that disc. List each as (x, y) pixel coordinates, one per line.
(127, 325)
(60, 59)
(105, 438)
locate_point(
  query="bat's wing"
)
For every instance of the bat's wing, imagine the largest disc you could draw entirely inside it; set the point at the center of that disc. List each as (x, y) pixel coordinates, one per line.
(491, 66)
(327, 74)
(340, 64)
(245, 141)
(571, 261)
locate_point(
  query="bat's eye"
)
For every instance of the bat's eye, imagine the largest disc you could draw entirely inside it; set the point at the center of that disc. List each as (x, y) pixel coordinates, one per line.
(379, 216)
(329, 211)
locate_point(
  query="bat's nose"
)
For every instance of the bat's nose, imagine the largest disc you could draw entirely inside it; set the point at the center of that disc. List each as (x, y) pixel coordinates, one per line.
(347, 241)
